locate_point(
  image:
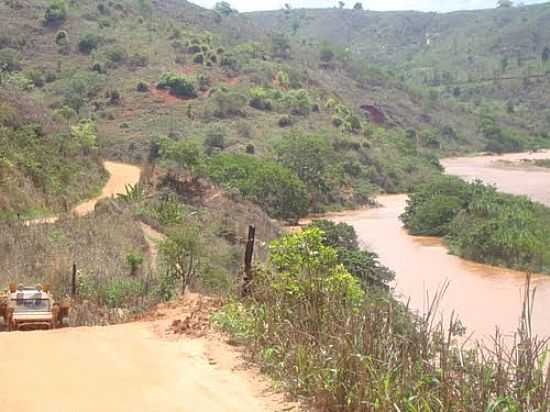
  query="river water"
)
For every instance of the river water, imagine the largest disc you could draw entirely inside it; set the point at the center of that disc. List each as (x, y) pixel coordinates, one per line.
(483, 297)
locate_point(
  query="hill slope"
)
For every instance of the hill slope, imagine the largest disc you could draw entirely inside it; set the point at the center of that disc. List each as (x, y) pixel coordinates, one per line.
(456, 55)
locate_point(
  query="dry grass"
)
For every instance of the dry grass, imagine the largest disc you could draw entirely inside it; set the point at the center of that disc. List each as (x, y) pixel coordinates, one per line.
(44, 253)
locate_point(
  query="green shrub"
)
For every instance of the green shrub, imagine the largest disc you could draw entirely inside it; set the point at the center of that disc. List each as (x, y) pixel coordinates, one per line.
(9, 60)
(115, 55)
(268, 184)
(314, 161)
(134, 261)
(142, 87)
(179, 85)
(215, 139)
(285, 121)
(56, 12)
(61, 38)
(117, 292)
(80, 87)
(18, 81)
(481, 224)
(360, 263)
(37, 77)
(298, 102)
(88, 42)
(138, 60)
(228, 103)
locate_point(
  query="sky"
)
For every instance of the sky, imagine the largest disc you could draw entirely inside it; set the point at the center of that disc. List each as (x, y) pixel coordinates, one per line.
(422, 5)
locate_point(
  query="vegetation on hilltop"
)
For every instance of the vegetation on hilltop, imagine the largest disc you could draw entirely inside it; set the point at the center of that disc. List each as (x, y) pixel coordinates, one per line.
(469, 61)
(481, 224)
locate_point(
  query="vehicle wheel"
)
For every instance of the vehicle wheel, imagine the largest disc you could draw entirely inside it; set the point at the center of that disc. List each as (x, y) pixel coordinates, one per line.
(9, 321)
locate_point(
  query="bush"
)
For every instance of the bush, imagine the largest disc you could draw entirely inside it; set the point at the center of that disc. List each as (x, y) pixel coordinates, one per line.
(88, 42)
(80, 87)
(9, 60)
(228, 103)
(313, 159)
(276, 189)
(179, 85)
(215, 139)
(311, 327)
(61, 38)
(360, 263)
(56, 12)
(298, 102)
(115, 55)
(138, 60)
(285, 121)
(481, 224)
(37, 77)
(142, 87)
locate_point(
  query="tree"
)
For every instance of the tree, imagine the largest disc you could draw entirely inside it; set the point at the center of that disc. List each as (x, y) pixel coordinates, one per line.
(358, 6)
(326, 53)
(280, 45)
(341, 5)
(84, 135)
(267, 183)
(545, 54)
(179, 85)
(505, 3)
(181, 253)
(56, 12)
(337, 235)
(312, 158)
(187, 155)
(224, 8)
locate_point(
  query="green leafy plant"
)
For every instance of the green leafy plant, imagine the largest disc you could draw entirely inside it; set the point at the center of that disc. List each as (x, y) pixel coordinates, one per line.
(178, 85)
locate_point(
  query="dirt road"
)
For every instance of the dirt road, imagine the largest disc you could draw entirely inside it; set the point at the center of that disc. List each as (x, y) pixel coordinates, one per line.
(126, 368)
(121, 175)
(131, 367)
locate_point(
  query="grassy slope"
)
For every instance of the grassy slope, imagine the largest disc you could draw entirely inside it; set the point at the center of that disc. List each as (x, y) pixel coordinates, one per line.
(126, 127)
(464, 46)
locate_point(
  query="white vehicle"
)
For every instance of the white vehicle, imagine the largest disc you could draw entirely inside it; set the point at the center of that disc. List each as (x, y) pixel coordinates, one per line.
(23, 307)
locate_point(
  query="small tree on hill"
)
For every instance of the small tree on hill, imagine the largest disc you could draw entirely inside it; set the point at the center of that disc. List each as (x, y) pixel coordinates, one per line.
(224, 8)
(280, 45)
(56, 12)
(341, 5)
(358, 6)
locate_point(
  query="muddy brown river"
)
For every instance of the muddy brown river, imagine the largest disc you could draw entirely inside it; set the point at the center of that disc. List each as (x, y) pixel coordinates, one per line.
(484, 297)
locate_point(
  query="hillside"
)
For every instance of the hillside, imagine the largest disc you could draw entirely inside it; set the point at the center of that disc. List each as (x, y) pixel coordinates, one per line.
(458, 57)
(142, 72)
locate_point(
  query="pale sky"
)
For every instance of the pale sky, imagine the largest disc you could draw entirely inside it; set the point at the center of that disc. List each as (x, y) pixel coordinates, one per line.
(422, 5)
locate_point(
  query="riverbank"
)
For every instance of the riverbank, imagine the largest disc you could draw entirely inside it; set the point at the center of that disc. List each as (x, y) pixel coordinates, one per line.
(483, 296)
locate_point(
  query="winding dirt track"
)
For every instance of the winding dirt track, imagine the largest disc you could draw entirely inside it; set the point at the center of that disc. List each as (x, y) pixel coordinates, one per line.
(126, 368)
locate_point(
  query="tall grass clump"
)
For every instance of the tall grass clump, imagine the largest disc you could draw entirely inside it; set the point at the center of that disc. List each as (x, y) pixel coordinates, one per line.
(343, 348)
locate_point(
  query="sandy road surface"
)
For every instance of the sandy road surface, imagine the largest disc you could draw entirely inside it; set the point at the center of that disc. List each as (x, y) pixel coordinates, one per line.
(126, 368)
(121, 175)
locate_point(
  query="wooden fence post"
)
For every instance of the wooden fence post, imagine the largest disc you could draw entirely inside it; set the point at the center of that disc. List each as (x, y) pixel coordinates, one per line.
(73, 282)
(248, 260)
